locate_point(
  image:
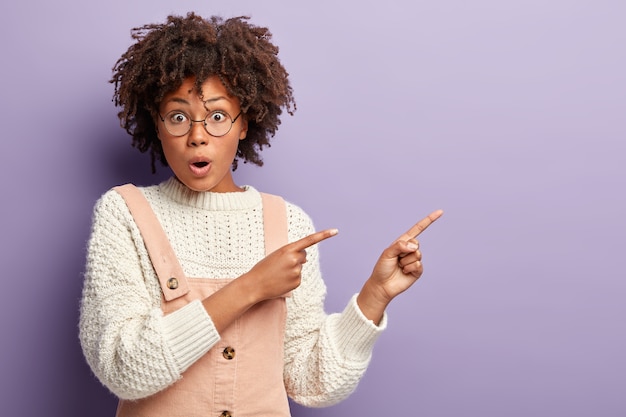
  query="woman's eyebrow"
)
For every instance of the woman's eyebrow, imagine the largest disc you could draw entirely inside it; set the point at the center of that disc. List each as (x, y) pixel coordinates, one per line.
(178, 100)
(214, 99)
(186, 102)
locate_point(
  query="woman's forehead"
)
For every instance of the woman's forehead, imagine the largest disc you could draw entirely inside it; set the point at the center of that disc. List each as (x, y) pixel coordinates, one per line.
(212, 91)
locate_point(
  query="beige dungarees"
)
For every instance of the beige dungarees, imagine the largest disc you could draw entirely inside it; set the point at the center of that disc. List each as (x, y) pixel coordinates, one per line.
(242, 375)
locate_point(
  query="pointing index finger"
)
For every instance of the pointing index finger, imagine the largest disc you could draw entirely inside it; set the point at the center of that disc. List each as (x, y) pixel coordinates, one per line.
(422, 225)
(313, 239)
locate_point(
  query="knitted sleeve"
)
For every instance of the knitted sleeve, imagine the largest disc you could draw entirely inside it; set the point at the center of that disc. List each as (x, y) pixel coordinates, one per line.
(131, 347)
(325, 355)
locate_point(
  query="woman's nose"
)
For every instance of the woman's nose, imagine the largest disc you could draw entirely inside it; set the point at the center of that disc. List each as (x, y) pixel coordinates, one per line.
(197, 134)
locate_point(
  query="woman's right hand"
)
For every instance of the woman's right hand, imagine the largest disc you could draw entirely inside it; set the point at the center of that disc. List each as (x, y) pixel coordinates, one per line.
(280, 271)
(274, 276)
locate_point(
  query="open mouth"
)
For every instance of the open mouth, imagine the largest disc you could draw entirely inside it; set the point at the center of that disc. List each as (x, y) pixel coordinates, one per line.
(200, 167)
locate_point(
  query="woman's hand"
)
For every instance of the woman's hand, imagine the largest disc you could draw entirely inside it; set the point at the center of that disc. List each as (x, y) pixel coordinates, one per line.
(272, 277)
(280, 272)
(399, 266)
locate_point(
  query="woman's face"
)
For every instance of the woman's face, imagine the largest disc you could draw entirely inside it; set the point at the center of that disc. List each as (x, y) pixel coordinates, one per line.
(199, 160)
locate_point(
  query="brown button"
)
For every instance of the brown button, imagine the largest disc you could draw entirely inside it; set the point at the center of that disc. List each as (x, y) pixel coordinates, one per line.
(228, 353)
(225, 414)
(172, 283)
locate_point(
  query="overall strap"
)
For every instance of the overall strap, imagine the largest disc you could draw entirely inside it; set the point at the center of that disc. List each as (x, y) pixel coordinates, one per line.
(274, 222)
(168, 269)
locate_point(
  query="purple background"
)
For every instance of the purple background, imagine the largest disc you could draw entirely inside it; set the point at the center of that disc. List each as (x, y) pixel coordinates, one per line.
(507, 114)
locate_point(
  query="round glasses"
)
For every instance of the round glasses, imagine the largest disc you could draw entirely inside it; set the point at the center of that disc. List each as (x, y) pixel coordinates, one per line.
(217, 123)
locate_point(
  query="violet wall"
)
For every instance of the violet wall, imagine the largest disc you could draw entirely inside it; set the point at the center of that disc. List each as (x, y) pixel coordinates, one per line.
(509, 115)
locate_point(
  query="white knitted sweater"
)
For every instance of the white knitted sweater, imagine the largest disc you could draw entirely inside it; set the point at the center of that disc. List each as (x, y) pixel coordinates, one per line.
(136, 351)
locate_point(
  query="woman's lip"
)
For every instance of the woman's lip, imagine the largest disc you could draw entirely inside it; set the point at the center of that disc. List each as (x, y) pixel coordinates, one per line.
(200, 167)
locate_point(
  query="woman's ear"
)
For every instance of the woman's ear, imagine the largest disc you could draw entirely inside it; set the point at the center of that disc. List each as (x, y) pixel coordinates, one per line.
(244, 127)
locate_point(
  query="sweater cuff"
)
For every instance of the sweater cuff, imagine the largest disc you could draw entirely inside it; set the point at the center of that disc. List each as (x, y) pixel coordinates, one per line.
(190, 333)
(356, 333)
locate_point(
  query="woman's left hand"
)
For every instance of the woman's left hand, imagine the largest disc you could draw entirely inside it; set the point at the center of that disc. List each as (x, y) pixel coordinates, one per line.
(398, 267)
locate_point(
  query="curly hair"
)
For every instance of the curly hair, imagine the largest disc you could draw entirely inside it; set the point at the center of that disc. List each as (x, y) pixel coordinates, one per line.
(164, 55)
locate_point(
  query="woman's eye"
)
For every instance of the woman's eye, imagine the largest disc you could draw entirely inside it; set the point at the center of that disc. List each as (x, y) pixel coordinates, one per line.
(217, 117)
(178, 118)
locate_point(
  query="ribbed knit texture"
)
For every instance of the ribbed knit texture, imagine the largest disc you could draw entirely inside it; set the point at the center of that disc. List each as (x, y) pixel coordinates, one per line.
(136, 351)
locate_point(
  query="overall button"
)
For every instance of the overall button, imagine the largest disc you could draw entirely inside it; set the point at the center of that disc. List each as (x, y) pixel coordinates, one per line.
(225, 414)
(228, 353)
(172, 283)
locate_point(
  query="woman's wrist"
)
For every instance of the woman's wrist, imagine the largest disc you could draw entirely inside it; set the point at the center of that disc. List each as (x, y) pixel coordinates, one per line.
(230, 302)
(248, 289)
(372, 301)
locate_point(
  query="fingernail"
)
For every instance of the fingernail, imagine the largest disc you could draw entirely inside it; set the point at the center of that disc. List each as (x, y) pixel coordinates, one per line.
(333, 232)
(411, 246)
